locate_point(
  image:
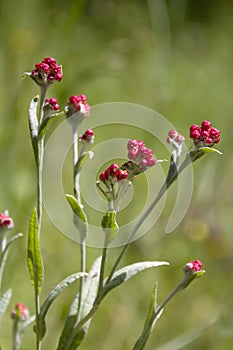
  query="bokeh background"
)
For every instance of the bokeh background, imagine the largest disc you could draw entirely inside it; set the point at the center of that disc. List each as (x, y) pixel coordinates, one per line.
(172, 56)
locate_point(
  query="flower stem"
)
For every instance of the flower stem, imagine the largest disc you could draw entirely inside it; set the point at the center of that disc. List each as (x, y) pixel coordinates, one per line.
(39, 163)
(170, 179)
(78, 197)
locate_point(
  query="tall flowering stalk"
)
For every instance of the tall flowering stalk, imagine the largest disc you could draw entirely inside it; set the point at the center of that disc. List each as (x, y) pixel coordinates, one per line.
(40, 112)
(113, 183)
(77, 110)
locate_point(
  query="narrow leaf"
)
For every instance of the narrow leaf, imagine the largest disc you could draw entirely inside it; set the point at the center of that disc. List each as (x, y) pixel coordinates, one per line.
(90, 287)
(9, 243)
(34, 260)
(80, 216)
(128, 272)
(46, 123)
(52, 296)
(33, 123)
(82, 160)
(110, 226)
(4, 302)
(210, 150)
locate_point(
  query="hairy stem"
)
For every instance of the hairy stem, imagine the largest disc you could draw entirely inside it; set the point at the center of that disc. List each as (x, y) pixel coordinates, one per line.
(170, 179)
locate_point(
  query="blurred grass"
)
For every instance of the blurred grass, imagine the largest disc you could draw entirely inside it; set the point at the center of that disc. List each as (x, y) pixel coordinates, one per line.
(175, 57)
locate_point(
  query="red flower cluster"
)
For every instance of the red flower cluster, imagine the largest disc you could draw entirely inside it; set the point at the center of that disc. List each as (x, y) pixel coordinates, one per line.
(47, 71)
(79, 104)
(205, 135)
(88, 136)
(113, 174)
(140, 154)
(194, 265)
(20, 312)
(6, 222)
(52, 104)
(175, 137)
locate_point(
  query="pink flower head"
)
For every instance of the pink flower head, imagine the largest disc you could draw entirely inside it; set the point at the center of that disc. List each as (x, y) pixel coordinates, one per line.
(77, 109)
(113, 174)
(87, 137)
(192, 267)
(47, 72)
(51, 104)
(204, 135)
(6, 223)
(20, 312)
(175, 138)
(140, 154)
(79, 104)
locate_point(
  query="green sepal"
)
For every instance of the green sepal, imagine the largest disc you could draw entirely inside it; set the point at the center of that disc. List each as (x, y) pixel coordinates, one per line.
(127, 272)
(80, 219)
(4, 302)
(82, 160)
(33, 124)
(189, 278)
(198, 153)
(46, 123)
(210, 150)
(110, 226)
(34, 260)
(90, 287)
(52, 296)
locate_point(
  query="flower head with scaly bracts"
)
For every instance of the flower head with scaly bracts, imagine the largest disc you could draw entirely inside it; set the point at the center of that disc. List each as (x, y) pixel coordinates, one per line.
(113, 177)
(47, 72)
(140, 154)
(77, 109)
(20, 312)
(52, 104)
(6, 222)
(113, 174)
(176, 140)
(193, 266)
(87, 137)
(204, 135)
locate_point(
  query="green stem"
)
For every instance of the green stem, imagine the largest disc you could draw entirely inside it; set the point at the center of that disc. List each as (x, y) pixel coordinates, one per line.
(78, 197)
(40, 160)
(170, 179)
(16, 336)
(102, 269)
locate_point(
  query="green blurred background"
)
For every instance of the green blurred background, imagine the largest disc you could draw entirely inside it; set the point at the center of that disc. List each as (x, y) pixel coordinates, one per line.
(172, 56)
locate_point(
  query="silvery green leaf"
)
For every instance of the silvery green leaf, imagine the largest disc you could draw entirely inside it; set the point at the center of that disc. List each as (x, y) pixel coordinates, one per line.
(33, 123)
(210, 150)
(34, 260)
(90, 286)
(46, 123)
(127, 272)
(4, 302)
(52, 296)
(80, 218)
(82, 160)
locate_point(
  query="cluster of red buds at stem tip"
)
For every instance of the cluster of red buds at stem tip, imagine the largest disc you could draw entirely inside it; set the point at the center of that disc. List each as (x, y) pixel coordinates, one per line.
(192, 267)
(204, 135)
(6, 223)
(47, 72)
(140, 154)
(113, 174)
(20, 312)
(87, 137)
(175, 138)
(77, 109)
(51, 104)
